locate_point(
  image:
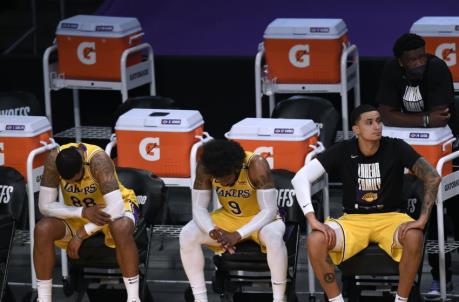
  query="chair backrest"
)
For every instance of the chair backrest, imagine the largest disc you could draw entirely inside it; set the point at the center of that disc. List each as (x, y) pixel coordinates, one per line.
(13, 195)
(317, 109)
(286, 199)
(151, 193)
(147, 102)
(19, 103)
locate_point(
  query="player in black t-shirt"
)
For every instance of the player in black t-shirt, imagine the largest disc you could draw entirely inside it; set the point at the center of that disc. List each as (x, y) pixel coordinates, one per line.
(417, 91)
(371, 168)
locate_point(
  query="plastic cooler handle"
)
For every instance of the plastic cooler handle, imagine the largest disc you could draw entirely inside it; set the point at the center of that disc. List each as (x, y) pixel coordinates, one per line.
(135, 37)
(450, 141)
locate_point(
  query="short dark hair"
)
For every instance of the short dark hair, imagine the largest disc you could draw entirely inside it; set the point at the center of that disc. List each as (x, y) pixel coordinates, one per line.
(69, 162)
(407, 42)
(357, 112)
(221, 157)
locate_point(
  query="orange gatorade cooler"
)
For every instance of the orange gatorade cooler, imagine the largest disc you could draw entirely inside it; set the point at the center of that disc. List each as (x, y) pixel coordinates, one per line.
(19, 135)
(158, 140)
(430, 143)
(283, 142)
(305, 50)
(442, 39)
(90, 47)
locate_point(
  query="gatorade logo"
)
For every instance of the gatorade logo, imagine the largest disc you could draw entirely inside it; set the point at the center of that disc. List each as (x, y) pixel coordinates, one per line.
(149, 148)
(299, 56)
(86, 53)
(447, 52)
(2, 154)
(267, 153)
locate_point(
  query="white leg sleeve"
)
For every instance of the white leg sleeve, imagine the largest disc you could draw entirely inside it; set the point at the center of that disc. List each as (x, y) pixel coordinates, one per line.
(339, 245)
(191, 239)
(271, 236)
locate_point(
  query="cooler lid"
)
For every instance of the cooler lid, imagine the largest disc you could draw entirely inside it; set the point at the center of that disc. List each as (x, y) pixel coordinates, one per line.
(166, 120)
(23, 126)
(94, 25)
(419, 136)
(291, 28)
(273, 129)
(436, 26)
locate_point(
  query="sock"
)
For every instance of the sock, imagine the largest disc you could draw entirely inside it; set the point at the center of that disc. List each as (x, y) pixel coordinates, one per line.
(132, 288)
(400, 299)
(44, 288)
(338, 298)
(201, 297)
(278, 290)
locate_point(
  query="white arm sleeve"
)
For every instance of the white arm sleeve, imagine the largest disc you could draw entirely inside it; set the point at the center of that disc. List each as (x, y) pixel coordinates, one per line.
(48, 205)
(114, 206)
(200, 201)
(302, 184)
(268, 210)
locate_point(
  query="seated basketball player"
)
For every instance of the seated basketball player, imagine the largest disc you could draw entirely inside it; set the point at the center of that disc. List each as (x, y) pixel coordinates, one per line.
(371, 168)
(94, 201)
(245, 189)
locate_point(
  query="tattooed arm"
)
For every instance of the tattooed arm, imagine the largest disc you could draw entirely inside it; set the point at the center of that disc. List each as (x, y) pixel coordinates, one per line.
(425, 172)
(47, 199)
(429, 176)
(260, 176)
(103, 170)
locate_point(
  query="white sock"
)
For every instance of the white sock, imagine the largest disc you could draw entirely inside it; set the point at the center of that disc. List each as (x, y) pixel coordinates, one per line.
(338, 298)
(132, 288)
(201, 297)
(400, 299)
(44, 288)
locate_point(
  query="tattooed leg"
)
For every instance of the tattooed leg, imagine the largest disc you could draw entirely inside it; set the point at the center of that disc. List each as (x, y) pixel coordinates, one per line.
(322, 264)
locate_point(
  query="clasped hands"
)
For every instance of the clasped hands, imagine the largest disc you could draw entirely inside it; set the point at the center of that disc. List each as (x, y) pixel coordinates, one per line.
(227, 240)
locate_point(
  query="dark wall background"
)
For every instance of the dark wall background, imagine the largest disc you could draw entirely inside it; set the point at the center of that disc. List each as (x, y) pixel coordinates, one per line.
(204, 49)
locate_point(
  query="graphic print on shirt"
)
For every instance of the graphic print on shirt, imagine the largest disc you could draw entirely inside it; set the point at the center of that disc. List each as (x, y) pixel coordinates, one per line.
(369, 182)
(412, 99)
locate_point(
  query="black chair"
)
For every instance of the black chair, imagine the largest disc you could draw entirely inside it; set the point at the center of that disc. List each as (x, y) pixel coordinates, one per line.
(370, 268)
(318, 109)
(97, 260)
(13, 214)
(146, 102)
(248, 266)
(19, 103)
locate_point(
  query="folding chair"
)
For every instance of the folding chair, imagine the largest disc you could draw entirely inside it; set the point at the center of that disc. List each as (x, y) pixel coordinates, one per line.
(98, 262)
(248, 267)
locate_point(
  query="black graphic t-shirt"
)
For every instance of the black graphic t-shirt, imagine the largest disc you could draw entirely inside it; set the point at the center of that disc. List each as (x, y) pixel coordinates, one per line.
(435, 88)
(370, 184)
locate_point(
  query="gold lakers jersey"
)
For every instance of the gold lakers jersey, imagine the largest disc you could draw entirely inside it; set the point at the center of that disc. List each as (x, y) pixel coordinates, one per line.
(87, 193)
(240, 199)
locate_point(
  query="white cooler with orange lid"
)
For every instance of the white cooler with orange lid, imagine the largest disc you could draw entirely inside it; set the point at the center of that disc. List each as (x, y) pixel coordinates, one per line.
(19, 135)
(305, 50)
(158, 140)
(283, 142)
(90, 47)
(442, 39)
(430, 143)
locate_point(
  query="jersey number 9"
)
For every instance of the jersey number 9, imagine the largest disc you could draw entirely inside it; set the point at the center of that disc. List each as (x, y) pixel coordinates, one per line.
(235, 207)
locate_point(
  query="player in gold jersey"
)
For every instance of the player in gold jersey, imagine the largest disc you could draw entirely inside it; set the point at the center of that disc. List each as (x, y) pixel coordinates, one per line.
(245, 189)
(94, 200)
